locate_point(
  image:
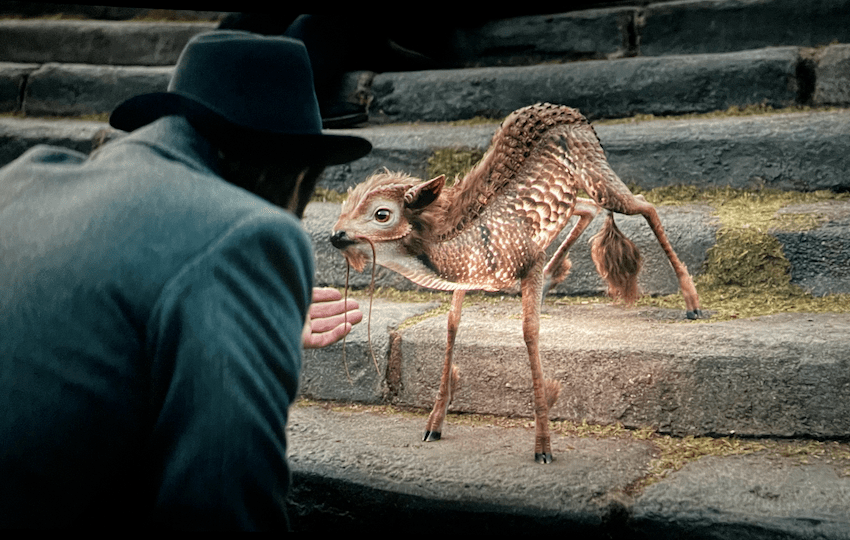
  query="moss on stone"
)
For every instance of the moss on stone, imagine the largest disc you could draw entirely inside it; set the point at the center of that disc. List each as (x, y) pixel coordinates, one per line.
(452, 162)
(746, 273)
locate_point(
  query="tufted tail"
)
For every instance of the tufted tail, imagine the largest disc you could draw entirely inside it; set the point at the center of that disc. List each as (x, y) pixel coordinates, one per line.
(617, 260)
(553, 390)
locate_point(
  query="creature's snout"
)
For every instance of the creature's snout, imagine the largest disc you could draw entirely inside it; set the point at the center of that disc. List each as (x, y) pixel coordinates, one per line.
(340, 240)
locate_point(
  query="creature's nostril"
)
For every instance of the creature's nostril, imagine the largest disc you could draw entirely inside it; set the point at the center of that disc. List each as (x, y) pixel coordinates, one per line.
(340, 240)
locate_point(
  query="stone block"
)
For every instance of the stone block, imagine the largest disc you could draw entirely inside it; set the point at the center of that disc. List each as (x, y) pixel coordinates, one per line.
(599, 88)
(78, 89)
(13, 79)
(779, 375)
(832, 76)
(93, 42)
(323, 373)
(712, 26)
(576, 35)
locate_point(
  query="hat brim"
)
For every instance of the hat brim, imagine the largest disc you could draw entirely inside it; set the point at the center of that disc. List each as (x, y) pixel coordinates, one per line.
(325, 148)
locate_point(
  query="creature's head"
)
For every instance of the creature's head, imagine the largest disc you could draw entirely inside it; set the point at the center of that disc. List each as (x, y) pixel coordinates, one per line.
(382, 211)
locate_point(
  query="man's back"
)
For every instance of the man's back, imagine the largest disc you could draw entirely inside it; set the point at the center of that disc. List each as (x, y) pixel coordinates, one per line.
(151, 311)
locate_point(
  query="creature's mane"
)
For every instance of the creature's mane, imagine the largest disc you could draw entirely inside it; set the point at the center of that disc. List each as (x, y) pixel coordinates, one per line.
(512, 145)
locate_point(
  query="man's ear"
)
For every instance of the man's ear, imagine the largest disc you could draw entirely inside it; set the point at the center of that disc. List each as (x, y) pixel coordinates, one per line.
(421, 195)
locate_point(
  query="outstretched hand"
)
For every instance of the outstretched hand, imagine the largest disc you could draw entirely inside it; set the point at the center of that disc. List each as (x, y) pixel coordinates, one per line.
(330, 319)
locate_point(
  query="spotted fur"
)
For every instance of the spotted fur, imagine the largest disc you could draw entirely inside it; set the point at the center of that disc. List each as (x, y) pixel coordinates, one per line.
(491, 229)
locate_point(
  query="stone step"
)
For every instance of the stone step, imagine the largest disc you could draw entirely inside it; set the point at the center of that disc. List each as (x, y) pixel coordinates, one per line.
(651, 29)
(120, 43)
(781, 375)
(353, 467)
(775, 77)
(802, 151)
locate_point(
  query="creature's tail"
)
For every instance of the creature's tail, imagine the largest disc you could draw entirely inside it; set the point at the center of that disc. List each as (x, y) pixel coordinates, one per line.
(617, 260)
(553, 390)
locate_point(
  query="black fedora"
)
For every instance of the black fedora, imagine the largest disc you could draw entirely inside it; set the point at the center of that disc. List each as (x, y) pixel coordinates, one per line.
(247, 89)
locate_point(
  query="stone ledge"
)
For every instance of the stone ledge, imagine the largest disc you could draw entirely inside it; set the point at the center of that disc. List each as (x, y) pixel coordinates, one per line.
(352, 470)
(600, 88)
(79, 89)
(780, 375)
(711, 26)
(97, 42)
(800, 151)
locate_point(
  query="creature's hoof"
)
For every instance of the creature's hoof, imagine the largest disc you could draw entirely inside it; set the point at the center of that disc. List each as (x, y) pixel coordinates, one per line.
(431, 436)
(695, 314)
(545, 457)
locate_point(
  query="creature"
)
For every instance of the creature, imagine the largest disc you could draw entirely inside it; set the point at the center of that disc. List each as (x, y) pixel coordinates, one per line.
(491, 228)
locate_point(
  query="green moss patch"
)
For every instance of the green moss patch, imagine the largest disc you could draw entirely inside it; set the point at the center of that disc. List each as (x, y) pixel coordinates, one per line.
(454, 163)
(746, 273)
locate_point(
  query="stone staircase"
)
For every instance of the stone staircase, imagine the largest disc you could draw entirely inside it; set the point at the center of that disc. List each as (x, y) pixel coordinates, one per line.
(627, 66)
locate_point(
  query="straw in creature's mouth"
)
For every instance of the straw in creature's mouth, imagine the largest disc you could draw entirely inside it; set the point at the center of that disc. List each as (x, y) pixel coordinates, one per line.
(351, 260)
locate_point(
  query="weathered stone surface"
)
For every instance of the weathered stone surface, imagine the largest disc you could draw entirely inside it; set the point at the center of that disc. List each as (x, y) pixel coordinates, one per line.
(12, 80)
(17, 135)
(403, 148)
(477, 479)
(105, 13)
(354, 469)
(779, 375)
(96, 42)
(323, 373)
(599, 88)
(800, 151)
(76, 89)
(746, 497)
(708, 26)
(820, 258)
(832, 76)
(577, 35)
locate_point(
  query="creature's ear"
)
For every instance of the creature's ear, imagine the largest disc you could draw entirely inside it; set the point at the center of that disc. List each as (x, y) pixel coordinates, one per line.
(421, 195)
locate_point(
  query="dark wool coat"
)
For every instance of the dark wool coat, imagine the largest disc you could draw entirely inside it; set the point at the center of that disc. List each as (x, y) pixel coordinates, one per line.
(150, 338)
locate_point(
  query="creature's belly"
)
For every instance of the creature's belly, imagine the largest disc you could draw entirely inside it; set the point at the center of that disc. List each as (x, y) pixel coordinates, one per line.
(489, 255)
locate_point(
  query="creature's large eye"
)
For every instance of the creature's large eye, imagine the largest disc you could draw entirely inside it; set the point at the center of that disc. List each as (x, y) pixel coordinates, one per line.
(382, 215)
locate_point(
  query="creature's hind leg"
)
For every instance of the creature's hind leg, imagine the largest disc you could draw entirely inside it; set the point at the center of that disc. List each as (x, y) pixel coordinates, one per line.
(556, 269)
(625, 202)
(545, 392)
(450, 376)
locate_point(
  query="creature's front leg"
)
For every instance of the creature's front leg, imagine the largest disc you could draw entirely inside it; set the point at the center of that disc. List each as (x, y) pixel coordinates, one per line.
(545, 392)
(450, 376)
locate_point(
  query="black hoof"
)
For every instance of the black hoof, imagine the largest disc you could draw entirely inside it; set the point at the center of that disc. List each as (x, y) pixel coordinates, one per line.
(431, 436)
(545, 457)
(695, 314)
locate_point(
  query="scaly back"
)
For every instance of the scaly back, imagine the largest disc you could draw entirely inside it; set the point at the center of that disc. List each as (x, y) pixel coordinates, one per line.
(540, 157)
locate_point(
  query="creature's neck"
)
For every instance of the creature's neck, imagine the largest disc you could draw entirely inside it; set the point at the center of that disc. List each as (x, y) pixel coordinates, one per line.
(419, 269)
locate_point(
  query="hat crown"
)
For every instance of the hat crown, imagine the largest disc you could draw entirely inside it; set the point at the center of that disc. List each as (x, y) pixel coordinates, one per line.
(254, 93)
(257, 82)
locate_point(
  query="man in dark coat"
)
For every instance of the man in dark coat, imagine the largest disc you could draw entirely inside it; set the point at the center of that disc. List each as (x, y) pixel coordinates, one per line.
(152, 304)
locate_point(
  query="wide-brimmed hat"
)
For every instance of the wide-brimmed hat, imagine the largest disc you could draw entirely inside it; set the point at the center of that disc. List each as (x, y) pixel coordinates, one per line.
(250, 90)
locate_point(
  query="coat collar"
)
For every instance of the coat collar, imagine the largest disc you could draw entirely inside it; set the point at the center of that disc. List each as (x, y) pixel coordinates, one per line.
(176, 139)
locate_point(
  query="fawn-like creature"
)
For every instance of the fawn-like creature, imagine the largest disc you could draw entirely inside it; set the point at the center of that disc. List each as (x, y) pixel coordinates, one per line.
(491, 228)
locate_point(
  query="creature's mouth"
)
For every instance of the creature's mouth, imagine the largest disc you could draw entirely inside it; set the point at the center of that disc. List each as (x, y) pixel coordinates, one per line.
(345, 244)
(341, 240)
